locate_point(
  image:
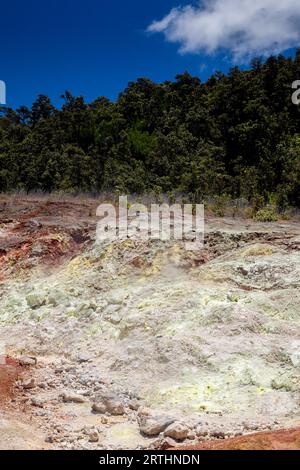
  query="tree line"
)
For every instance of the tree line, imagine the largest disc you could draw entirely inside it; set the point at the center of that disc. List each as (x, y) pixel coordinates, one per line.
(235, 135)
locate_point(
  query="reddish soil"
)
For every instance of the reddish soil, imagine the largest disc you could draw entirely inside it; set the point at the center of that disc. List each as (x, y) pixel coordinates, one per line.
(10, 371)
(41, 233)
(277, 440)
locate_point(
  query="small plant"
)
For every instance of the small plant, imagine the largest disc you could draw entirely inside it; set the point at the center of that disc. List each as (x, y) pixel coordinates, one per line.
(258, 204)
(266, 215)
(219, 211)
(220, 205)
(235, 211)
(157, 194)
(172, 197)
(249, 213)
(285, 216)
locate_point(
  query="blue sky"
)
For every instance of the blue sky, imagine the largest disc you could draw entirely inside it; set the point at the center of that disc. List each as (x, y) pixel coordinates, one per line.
(94, 47)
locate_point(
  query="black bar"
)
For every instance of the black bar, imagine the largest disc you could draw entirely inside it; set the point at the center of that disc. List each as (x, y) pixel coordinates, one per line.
(135, 459)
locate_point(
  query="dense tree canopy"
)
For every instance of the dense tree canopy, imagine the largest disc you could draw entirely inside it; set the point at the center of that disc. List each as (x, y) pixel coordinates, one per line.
(235, 135)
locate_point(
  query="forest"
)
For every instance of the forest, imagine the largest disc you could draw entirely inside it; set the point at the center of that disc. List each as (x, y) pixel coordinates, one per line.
(237, 135)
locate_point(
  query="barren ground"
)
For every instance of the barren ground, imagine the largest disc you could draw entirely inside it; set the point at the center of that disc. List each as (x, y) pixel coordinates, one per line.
(165, 344)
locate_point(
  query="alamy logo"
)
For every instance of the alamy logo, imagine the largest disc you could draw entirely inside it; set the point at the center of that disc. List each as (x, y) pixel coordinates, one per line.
(161, 222)
(2, 353)
(2, 92)
(296, 94)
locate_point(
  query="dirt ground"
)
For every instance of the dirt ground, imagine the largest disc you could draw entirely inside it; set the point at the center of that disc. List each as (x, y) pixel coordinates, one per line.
(143, 344)
(277, 440)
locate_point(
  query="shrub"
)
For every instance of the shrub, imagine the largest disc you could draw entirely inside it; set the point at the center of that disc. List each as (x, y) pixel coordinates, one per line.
(220, 205)
(266, 215)
(249, 213)
(258, 203)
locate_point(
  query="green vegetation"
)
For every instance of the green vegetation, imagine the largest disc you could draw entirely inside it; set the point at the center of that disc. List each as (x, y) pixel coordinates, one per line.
(235, 136)
(266, 215)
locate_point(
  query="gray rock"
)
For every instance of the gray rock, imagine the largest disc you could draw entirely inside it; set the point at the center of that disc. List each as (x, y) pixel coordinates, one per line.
(108, 403)
(113, 317)
(178, 431)
(168, 443)
(71, 397)
(37, 250)
(27, 361)
(82, 358)
(191, 435)
(218, 434)
(153, 426)
(38, 402)
(134, 404)
(144, 411)
(28, 384)
(116, 298)
(33, 223)
(94, 436)
(42, 385)
(295, 359)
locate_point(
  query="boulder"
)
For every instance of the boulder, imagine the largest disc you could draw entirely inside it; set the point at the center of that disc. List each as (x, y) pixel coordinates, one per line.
(108, 403)
(152, 426)
(178, 431)
(28, 384)
(70, 397)
(27, 361)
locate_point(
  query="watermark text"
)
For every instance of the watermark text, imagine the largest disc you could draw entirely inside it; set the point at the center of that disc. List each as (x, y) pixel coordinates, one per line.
(155, 222)
(2, 92)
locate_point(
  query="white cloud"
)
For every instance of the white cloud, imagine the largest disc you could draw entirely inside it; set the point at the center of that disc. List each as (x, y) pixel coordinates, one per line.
(244, 27)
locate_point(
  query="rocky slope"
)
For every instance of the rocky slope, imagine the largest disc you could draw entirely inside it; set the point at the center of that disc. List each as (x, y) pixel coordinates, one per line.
(144, 344)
